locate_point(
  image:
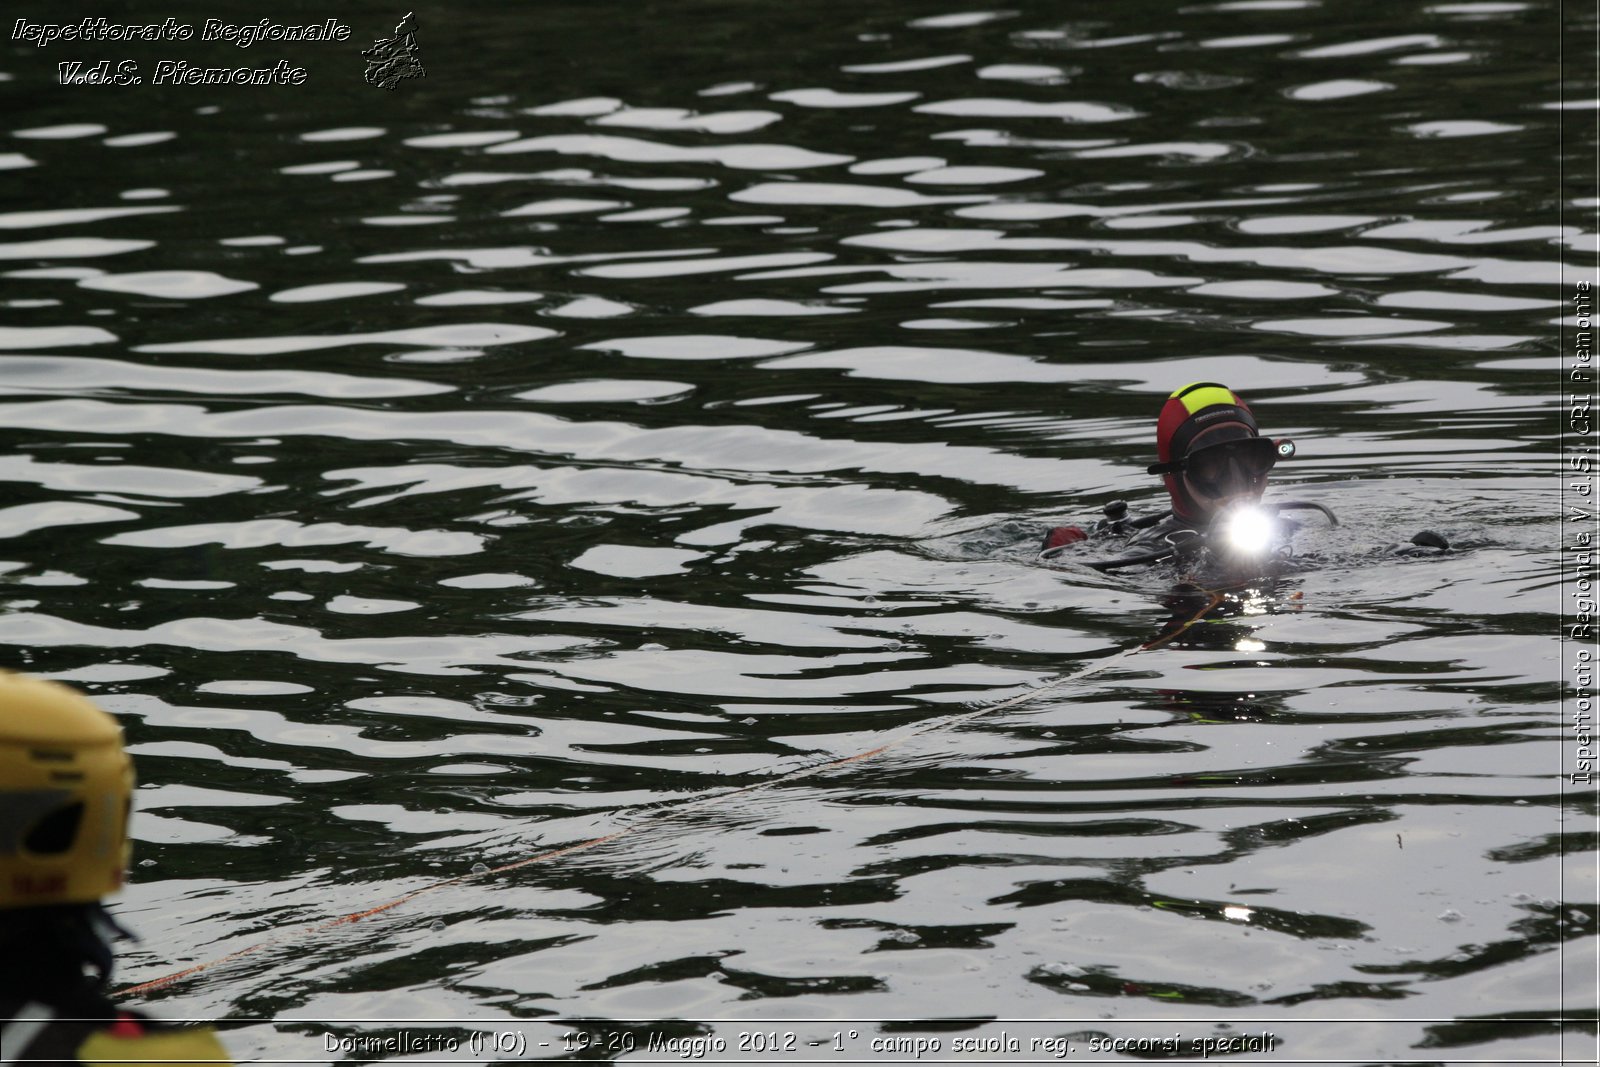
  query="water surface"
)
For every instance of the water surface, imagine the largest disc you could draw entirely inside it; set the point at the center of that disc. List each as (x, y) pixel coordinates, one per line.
(648, 402)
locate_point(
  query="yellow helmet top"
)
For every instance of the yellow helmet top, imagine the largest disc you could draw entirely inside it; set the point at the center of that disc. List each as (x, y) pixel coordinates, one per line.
(66, 787)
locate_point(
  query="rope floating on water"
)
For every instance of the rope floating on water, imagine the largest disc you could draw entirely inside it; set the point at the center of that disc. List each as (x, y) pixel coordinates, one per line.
(714, 797)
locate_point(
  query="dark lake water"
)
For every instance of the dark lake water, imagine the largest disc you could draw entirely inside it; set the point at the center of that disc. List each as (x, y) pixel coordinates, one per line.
(656, 399)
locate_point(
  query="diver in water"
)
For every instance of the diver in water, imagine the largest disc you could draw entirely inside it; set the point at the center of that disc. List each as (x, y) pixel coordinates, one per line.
(66, 787)
(1214, 462)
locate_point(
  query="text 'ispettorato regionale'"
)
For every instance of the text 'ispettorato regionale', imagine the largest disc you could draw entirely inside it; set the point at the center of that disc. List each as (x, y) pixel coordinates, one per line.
(98, 30)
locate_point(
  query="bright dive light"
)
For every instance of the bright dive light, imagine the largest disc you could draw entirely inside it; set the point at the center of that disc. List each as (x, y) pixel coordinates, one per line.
(1248, 530)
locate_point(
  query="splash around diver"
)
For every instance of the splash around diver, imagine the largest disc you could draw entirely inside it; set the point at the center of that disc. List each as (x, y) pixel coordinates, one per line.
(1240, 535)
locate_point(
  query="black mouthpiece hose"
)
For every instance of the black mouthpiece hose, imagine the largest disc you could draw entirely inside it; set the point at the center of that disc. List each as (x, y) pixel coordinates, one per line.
(1131, 561)
(1306, 505)
(1144, 522)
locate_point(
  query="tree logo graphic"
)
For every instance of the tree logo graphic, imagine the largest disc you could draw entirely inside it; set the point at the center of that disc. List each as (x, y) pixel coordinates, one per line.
(393, 59)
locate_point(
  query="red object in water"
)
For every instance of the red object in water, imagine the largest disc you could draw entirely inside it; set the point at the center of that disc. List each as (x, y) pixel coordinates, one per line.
(1063, 535)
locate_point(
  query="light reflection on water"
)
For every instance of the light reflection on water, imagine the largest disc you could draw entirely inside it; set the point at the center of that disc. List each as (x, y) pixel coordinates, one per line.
(460, 473)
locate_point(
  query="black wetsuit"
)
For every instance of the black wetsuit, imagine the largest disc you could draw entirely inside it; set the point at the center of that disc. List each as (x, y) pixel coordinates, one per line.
(1132, 538)
(1163, 538)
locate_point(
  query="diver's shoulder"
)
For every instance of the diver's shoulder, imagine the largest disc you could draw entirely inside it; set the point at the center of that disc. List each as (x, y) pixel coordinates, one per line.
(1114, 524)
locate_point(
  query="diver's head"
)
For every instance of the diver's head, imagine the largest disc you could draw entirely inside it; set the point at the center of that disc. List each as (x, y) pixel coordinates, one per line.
(1211, 455)
(66, 787)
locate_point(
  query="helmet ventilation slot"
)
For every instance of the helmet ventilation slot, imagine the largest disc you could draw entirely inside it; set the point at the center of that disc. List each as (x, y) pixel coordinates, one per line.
(55, 833)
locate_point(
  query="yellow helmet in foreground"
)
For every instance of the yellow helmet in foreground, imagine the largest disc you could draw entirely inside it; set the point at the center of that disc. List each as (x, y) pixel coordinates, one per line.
(66, 787)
